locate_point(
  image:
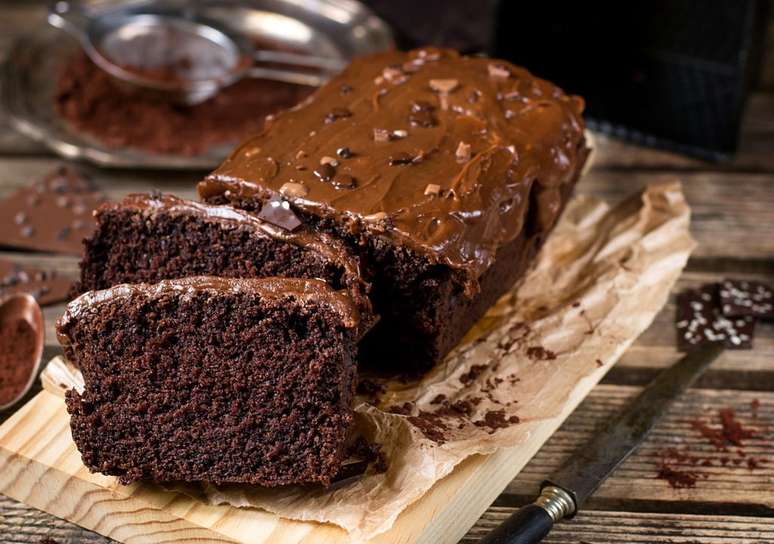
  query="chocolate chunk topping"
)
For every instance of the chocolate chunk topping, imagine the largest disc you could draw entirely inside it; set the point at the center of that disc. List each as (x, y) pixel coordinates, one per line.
(422, 118)
(444, 85)
(344, 152)
(278, 212)
(337, 113)
(740, 298)
(421, 105)
(382, 135)
(291, 189)
(699, 321)
(499, 71)
(432, 189)
(344, 181)
(325, 172)
(463, 152)
(400, 159)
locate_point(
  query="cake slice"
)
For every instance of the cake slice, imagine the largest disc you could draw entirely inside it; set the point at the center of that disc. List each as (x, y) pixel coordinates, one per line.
(150, 237)
(445, 173)
(216, 380)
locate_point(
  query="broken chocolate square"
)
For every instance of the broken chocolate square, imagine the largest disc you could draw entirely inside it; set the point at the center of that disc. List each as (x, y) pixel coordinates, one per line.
(740, 298)
(53, 214)
(278, 212)
(699, 321)
(47, 287)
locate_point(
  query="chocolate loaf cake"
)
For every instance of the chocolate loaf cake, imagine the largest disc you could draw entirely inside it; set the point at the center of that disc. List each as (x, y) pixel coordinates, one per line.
(213, 380)
(444, 173)
(150, 237)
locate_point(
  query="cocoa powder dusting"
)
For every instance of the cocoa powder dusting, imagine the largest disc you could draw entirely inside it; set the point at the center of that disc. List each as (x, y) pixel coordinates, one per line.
(17, 349)
(91, 102)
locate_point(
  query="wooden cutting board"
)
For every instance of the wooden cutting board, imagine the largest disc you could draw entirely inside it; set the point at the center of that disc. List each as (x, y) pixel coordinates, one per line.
(40, 466)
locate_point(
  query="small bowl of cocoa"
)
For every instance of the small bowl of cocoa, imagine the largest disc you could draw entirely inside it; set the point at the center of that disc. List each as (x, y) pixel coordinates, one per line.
(21, 347)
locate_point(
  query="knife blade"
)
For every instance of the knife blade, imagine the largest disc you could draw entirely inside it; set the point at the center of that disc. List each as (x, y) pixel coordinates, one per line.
(565, 492)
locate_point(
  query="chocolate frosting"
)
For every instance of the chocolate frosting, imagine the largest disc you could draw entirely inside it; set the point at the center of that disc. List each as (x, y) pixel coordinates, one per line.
(326, 246)
(304, 291)
(438, 151)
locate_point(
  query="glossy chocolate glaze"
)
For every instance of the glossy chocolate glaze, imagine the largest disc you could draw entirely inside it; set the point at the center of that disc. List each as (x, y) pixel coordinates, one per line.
(435, 150)
(304, 291)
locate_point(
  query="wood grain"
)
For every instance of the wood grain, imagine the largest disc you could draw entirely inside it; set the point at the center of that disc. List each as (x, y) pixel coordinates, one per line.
(605, 527)
(636, 480)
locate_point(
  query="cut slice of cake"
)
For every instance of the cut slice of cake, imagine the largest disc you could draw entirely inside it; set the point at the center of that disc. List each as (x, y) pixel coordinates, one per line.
(217, 380)
(445, 174)
(150, 237)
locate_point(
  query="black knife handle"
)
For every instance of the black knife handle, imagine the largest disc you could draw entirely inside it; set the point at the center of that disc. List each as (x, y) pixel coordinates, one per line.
(528, 525)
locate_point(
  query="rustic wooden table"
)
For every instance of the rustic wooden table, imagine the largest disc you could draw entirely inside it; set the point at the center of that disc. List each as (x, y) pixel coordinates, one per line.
(733, 221)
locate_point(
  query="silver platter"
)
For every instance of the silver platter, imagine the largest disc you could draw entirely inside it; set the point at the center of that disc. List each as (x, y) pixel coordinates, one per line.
(334, 28)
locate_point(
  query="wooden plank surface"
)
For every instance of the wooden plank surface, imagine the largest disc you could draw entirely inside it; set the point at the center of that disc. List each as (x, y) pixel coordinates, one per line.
(734, 223)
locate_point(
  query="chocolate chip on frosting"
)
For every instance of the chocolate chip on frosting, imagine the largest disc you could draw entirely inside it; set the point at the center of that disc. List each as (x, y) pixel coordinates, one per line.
(444, 85)
(400, 159)
(344, 181)
(421, 105)
(325, 172)
(344, 152)
(422, 118)
(292, 189)
(337, 113)
(463, 152)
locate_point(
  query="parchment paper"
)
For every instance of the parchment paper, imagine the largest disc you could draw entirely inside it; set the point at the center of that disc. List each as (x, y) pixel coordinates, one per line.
(598, 282)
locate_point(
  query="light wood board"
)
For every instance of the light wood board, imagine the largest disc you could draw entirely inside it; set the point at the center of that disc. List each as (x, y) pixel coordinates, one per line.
(40, 466)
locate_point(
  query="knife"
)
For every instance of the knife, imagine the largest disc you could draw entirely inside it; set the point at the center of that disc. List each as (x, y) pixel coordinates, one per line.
(565, 492)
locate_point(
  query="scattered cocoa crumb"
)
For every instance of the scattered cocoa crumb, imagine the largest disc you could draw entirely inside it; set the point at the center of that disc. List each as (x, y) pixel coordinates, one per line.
(539, 353)
(438, 399)
(599, 362)
(472, 374)
(431, 425)
(495, 419)
(401, 409)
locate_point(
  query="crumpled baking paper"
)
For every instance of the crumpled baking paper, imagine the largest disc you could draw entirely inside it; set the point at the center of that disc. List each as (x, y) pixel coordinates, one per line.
(598, 282)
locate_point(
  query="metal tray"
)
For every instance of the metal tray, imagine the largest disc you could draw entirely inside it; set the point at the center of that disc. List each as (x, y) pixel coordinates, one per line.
(337, 28)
